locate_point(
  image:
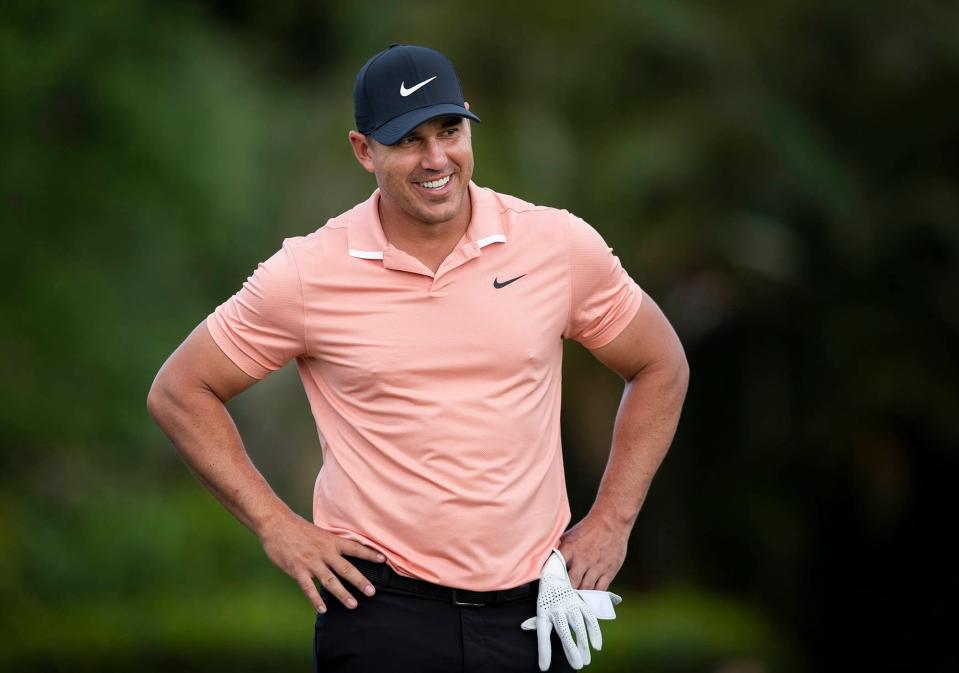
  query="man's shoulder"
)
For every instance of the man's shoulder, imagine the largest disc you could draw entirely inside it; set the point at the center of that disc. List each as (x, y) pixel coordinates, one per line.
(329, 237)
(525, 213)
(508, 202)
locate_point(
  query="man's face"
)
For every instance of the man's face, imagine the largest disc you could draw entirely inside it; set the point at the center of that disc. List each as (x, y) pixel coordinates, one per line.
(427, 172)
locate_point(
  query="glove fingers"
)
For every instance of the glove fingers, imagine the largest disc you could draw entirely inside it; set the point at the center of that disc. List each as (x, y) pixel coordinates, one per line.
(575, 616)
(529, 624)
(595, 635)
(543, 628)
(615, 599)
(566, 637)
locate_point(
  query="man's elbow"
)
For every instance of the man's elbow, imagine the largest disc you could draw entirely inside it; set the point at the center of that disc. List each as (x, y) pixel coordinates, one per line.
(682, 373)
(671, 368)
(157, 399)
(162, 397)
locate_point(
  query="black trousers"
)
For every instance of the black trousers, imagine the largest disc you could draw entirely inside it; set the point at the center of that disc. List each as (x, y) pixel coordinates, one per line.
(400, 632)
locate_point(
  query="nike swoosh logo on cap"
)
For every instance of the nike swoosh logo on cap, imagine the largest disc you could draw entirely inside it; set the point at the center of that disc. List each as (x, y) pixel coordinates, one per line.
(406, 92)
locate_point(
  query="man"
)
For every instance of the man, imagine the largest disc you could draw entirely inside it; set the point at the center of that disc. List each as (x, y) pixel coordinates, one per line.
(427, 326)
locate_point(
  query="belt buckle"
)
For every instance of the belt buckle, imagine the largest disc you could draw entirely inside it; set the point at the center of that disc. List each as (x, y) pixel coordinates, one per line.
(460, 603)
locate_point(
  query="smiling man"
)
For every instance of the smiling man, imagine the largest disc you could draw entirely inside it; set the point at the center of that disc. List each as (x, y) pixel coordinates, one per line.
(427, 326)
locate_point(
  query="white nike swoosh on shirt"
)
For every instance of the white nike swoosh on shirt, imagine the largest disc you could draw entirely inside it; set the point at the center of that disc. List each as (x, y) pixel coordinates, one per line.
(406, 92)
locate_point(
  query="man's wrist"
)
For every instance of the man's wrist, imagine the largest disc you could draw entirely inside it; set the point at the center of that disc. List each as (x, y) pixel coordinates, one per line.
(619, 519)
(269, 521)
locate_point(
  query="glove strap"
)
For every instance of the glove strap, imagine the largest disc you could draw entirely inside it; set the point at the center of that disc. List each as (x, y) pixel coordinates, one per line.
(599, 602)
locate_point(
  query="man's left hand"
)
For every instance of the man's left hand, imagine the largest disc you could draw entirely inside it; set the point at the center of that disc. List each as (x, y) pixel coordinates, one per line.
(595, 550)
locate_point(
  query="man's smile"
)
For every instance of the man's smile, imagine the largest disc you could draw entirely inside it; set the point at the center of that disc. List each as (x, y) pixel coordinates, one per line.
(436, 185)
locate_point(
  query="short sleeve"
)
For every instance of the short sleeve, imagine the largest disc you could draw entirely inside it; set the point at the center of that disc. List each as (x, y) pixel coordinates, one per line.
(260, 328)
(603, 297)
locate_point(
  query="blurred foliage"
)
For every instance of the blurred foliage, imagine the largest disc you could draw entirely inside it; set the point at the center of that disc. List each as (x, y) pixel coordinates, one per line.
(780, 176)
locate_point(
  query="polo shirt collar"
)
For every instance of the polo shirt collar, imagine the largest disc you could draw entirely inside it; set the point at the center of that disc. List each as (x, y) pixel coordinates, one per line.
(366, 239)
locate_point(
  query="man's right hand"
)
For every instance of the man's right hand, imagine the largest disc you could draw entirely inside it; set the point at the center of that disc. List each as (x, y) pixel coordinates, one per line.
(304, 551)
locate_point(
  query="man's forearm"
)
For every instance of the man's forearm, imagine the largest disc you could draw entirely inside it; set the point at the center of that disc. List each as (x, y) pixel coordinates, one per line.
(203, 432)
(644, 429)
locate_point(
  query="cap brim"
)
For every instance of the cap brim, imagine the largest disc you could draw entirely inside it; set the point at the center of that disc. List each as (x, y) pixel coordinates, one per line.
(397, 128)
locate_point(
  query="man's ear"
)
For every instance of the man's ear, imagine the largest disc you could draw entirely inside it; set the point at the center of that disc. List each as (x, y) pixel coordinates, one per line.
(362, 150)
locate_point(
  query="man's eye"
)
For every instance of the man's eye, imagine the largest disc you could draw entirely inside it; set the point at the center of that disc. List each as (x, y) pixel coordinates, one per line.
(408, 140)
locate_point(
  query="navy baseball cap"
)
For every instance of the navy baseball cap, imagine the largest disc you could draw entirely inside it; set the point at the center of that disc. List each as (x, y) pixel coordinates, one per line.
(402, 87)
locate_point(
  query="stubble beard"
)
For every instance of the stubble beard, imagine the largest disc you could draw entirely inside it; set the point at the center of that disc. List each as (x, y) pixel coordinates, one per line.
(437, 217)
(410, 205)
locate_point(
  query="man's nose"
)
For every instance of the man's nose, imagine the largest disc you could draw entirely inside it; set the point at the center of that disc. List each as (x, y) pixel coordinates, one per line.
(434, 156)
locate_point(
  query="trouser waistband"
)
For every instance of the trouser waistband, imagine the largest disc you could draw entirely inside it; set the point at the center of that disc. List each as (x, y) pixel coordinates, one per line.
(383, 576)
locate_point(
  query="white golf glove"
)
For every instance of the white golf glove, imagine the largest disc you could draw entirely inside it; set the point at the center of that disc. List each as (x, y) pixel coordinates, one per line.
(560, 606)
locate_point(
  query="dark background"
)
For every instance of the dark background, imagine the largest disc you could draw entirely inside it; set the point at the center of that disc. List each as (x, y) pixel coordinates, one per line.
(780, 176)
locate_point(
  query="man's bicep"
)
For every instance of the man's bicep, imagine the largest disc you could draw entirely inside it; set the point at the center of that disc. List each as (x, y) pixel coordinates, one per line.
(646, 340)
(198, 362)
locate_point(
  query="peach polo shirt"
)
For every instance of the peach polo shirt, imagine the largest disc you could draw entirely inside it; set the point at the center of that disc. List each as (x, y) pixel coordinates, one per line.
(436, 396)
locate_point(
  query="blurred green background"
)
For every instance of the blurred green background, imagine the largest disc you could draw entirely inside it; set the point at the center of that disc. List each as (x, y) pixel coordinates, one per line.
(780, 176)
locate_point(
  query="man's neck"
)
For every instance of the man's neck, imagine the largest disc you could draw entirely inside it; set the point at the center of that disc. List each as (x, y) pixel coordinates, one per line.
(404, 231)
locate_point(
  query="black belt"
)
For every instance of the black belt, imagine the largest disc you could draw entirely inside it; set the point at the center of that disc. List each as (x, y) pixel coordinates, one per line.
(384, 577)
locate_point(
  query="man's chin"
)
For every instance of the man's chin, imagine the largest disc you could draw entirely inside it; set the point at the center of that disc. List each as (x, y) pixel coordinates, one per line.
(433, 217)
(438, 213)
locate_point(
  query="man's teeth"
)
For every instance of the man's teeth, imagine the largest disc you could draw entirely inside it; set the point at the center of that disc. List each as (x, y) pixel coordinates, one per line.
(436, 184)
